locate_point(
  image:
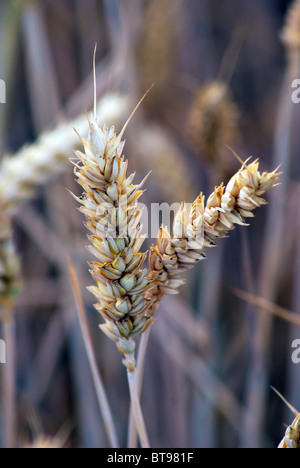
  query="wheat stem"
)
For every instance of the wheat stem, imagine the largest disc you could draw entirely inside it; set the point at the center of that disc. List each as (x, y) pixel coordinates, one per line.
(132, 431)
(139, 420)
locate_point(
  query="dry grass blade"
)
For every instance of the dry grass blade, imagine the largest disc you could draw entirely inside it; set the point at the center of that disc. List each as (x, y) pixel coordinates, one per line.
(9, 384)
(268, 306)
(99, 387)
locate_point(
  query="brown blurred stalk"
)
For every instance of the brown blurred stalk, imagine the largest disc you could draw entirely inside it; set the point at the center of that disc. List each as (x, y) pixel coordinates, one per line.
(9, 384)
(99, 387)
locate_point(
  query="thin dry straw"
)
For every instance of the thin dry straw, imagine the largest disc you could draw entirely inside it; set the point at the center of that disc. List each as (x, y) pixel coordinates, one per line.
(265, 305)
(99, 387)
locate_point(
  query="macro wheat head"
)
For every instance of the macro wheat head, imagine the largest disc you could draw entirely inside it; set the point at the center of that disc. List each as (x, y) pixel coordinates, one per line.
(202, 224)
(110, 205)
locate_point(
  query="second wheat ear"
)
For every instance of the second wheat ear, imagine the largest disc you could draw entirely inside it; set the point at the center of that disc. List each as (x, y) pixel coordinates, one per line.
(203, 224)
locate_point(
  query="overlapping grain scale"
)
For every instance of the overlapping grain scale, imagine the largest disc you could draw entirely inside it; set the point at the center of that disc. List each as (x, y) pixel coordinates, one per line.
(110, 205)
(292, 435)
(201, 225)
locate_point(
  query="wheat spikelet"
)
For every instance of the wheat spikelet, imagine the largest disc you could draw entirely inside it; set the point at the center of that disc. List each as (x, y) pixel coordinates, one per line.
(212, 121)
(200, 226)
(292, 435)
(109, 203)
(291, 32)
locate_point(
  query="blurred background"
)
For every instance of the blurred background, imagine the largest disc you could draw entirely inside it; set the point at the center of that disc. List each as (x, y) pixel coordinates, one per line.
(222, 77)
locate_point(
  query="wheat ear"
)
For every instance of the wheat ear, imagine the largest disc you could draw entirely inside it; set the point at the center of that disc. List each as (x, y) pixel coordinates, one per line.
(201, 225)
(109, 203)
